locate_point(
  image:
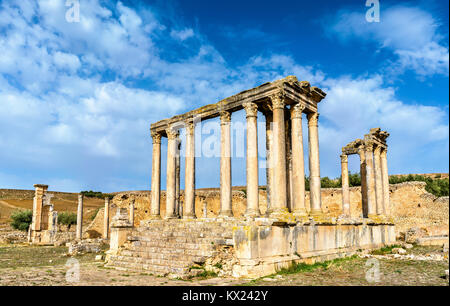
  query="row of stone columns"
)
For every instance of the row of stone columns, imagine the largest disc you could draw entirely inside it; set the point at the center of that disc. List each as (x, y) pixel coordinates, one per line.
(374, 181)
(280, 179)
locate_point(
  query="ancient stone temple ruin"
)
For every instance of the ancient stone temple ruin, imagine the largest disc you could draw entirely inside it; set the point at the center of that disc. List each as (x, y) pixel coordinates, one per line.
(255, 245)
(372, 151)
(44, 224)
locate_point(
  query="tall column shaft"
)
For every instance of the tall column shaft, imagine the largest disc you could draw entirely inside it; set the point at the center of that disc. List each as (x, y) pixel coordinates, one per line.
(314, 165)
(131, 212)
(177, 178)
(156, 177)
(225, 165)
(345, 186)
(278, 194)
(79, 231)
(106, 219)
(189, 180)
(385, 180)
(378, 181)
(269, 168)
(362, 170)
(289, 174)
(370, 181)
(251, 110)
(171, 169)
(298, 164)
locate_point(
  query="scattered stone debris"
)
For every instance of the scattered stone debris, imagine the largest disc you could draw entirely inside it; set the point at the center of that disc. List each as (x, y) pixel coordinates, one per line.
(429, 257)
(222, 264)
(399, 251)
(85, 246)
(14, 238)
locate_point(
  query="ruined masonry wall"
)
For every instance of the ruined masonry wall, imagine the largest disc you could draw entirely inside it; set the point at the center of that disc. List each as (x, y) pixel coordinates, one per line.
(412, 206)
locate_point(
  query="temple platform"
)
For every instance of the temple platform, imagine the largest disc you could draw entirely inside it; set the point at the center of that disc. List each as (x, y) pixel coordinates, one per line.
(259, 247)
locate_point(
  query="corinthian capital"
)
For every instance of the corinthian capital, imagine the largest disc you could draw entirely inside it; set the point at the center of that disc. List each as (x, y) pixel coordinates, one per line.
(278, 100)
(172, 133)
(156, 137)
(251, 109)
(297, 110)
(377, 150)
(313, 119)
(344, 158)
(225, 117)
(190, 127)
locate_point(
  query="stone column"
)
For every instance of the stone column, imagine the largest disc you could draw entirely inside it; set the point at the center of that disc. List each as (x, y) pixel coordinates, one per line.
(38, 203)
(189, 180)
(378, 181)
(314, 165)
(345, 186)
(279, 194)
(269, 167)
(385, 180)
(172, 136)
(370, 181)
(298, 163)
(79, 233)
(177, 178)
(251, 110)
(362, 170)
(156, 177)
(106, 219)
(131, 212)
(289, 186)
(225, 165)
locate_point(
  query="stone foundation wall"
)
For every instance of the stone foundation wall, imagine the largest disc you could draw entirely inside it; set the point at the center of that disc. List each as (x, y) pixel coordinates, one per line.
(263, 250)
(411, 204)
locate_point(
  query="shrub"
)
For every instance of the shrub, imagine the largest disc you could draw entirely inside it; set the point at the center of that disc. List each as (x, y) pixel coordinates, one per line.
(68, 219)
(21, 219)
(96, 194)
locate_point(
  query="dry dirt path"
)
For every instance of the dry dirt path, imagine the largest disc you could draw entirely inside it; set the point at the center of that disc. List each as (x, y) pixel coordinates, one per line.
(44, 266)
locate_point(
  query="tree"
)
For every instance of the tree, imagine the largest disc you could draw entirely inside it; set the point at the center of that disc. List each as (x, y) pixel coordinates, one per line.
(21, 219)
(68, 219)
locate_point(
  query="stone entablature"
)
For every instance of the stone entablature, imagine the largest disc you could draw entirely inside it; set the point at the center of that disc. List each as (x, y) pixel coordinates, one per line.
(290, 88)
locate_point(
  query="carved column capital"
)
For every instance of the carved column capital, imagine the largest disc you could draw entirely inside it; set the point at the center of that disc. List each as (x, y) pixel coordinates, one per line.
(377, 149)
(297, 110)
(251, 109)
(361, 152)
(313, 119)
(344, 158)
(172, 133)
(369, 146)
(278, 100)
(384, 152)
(156, 137)
(225, 117)
(190, 127)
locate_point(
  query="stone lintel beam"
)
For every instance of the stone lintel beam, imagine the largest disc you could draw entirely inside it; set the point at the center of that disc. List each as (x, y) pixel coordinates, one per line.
(293, 90)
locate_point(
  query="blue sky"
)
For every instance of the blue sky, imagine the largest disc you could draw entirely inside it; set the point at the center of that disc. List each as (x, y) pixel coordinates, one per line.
(77, 98)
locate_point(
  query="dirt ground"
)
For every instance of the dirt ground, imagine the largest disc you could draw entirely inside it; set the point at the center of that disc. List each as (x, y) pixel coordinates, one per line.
(42, 266)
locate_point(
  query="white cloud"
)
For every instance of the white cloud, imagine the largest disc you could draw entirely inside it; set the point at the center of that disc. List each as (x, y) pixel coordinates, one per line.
(59, 116)
(411, 33)
(182, 34)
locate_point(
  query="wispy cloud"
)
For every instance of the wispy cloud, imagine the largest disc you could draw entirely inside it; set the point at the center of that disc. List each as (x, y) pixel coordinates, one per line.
(410, 33)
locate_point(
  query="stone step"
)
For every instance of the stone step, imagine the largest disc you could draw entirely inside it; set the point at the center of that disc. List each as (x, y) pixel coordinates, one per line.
(164, 256)
(179, 263)
(180, 240)
(154, 269)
